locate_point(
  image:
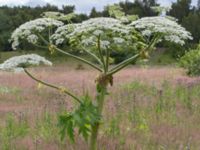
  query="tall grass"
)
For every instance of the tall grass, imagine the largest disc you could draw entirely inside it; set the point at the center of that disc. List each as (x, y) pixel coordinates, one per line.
(139, 115)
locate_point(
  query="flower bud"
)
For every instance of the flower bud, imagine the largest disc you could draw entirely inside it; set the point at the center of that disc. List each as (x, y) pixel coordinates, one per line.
(52, 48)
(144, 55)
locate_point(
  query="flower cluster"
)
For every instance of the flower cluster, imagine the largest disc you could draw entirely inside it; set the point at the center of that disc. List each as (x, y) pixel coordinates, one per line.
(30, 30)
(111, 31)
(59, 16)
(17, 63)
(167, 28)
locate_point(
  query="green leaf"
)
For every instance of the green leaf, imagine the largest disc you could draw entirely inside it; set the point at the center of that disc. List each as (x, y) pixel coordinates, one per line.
(82, 118)
(70, 131)
(66, 125)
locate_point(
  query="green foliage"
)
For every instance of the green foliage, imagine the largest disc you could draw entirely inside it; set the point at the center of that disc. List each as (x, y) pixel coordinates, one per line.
(139, 8)
(9, 90)
(180, 9)
(12, 130)
(83, 118)
(140, 87)
(191, 23)
(59, 16)
(188, 16)
(45, 128)
(116, 11)
(94, 13)
(12, 17)
(121, 56)
(113, 129)
(175, 50)
(191, 61)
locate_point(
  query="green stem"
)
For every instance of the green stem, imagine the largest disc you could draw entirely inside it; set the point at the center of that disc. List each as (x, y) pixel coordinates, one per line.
(53, 86)
(50, 33)
(93, 55)
(128, 61)
(100, 52)
(153, 42)
(95, 128)
(40, 46)
(73, 56)
(107, 59)
(79, 58)
(123, 64)
(43, 39)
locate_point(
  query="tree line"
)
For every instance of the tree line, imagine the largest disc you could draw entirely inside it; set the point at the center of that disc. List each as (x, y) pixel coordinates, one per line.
(11, 17)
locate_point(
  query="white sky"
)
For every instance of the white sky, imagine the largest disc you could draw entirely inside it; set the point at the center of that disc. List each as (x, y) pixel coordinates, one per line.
(83, 6)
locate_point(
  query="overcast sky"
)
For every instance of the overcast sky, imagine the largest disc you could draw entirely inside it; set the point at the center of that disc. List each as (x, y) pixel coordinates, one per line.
(82, 6)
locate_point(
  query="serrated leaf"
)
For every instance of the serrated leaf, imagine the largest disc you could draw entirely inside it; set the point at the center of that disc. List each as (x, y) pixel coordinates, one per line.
(66, 125)
(70, 131)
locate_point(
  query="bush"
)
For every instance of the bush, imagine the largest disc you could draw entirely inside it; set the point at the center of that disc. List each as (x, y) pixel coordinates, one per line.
(175, 50)
(191, 61)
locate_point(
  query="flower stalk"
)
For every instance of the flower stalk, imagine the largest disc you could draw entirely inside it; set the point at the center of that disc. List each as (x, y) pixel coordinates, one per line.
(79, 59)
(62, 89)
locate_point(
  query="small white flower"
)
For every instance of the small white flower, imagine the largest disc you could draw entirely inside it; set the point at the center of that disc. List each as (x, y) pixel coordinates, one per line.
(32, 38)
(87, 32)
(147, 33)
(17, 63)
(105, 44)
(89, 41)
(118, 40)
(30, 30)
(98, 32)
(166, 26)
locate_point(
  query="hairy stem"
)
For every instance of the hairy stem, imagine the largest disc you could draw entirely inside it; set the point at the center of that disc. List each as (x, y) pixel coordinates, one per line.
(123, 64)
(40, 46)
(100, 52)
(80, 59)
(71, 55)
(53, 86)
(107, 59)
(95, 128)
(153, 42)
(93, 55)
(43, 39)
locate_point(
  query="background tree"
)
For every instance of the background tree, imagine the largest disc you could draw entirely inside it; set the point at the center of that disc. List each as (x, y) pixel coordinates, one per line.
(67, 9)
(180, 9)
(140, 8)
(12, 17)
(94, 13)
(150, 2)
(198, 4)
(191, 23)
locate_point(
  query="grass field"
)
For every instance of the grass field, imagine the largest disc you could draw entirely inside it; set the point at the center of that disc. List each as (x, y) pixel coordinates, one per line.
(149, 108)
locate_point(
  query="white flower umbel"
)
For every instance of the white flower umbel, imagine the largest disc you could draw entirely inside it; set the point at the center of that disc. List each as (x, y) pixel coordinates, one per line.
(30, 30)
(164, 27)
(111, 31)
(17, 63)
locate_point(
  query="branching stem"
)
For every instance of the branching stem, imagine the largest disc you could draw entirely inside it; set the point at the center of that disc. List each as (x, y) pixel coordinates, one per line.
(100, 52)
(93, 55)
(53, 86)
(71, 55)
(80, 59)
(123, 64)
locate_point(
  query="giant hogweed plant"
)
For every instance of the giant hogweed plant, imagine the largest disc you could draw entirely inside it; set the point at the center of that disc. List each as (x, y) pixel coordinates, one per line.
(97, 37)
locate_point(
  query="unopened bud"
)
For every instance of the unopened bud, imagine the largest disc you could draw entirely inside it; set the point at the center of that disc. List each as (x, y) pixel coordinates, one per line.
(144, 55)
(52, 48)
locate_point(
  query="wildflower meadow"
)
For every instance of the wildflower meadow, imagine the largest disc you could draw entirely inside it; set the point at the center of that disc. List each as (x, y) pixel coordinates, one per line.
(93, 84)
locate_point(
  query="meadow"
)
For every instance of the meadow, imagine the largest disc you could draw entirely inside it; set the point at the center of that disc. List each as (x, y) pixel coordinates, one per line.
(148, 108)
(103, 101)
